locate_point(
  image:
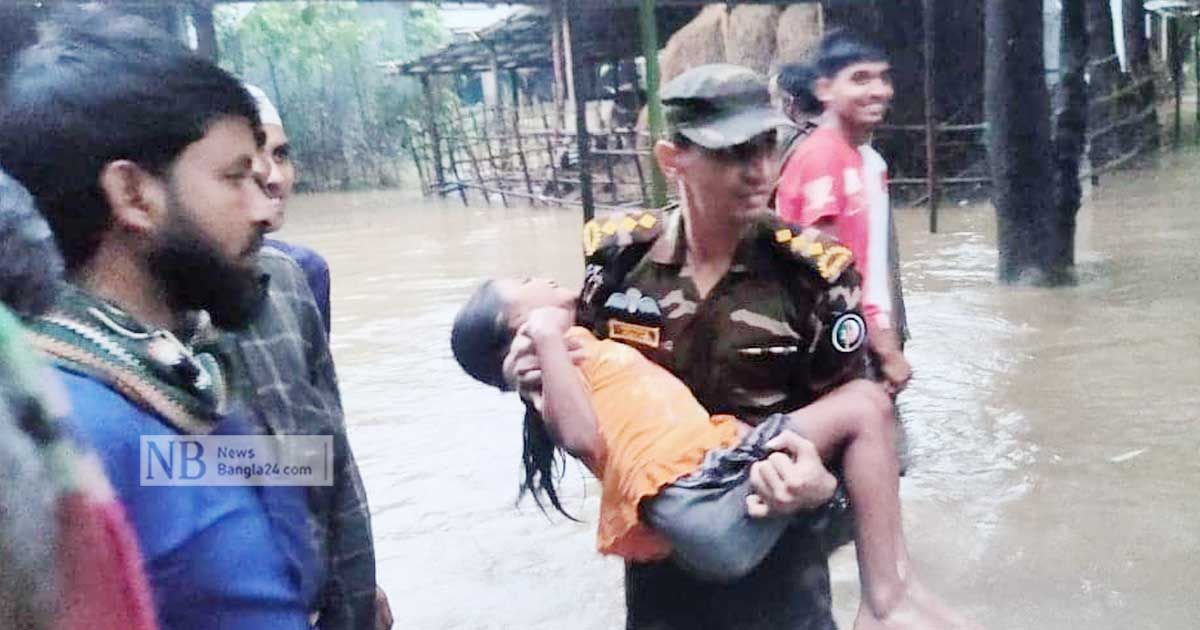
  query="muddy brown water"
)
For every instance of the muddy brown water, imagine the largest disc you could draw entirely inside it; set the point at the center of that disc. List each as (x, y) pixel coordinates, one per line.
(1054, 432)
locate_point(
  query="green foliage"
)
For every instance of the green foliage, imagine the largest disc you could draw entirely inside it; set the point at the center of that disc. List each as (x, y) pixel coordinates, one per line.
(319, 63)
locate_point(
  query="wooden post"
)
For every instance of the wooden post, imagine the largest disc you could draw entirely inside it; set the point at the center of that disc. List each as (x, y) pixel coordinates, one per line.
(435, 141)
(574, 65)
(931, 123)
(556, 53)
(458, 180)
(551, 141)
(658, 183)
(1176, 60)
(462, 133)
(416, 158)
(487, 143)
(516, 123)
(608, 168)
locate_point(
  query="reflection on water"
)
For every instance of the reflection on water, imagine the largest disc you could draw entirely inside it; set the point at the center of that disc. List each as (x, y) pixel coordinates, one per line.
(1054, 431)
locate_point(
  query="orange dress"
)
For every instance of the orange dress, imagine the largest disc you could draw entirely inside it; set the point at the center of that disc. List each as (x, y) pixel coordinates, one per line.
(654, 432)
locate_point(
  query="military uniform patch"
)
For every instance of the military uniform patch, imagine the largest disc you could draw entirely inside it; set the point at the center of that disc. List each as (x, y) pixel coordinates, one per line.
(636, 333)
(848, 332)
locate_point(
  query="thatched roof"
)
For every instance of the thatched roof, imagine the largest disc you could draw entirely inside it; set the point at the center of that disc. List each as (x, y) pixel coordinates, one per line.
(522, 40)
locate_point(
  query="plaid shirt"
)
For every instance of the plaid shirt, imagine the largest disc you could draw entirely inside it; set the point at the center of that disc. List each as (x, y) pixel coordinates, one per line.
(291, 374)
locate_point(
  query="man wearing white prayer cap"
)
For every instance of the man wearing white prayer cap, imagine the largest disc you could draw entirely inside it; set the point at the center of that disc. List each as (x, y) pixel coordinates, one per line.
(277, 175)
(291, 370)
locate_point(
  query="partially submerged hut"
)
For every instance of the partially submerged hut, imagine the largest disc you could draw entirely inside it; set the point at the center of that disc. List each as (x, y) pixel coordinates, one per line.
(553, 97)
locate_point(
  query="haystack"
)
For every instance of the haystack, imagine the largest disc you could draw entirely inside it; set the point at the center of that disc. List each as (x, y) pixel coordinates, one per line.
(800, 28)
(701, 41)
(750, 36)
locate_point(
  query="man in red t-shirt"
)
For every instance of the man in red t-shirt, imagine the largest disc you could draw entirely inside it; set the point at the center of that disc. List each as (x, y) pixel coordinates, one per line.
(826, 183)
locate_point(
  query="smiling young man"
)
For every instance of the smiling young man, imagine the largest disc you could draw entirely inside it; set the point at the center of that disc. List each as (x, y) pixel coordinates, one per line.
(141, 157)
(834, 181)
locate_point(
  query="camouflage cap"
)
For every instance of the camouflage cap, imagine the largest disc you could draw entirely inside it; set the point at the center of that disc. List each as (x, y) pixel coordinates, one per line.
(720, 105)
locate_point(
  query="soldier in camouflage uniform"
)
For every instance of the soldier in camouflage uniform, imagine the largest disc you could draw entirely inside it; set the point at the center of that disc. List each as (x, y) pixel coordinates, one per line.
(714, 290)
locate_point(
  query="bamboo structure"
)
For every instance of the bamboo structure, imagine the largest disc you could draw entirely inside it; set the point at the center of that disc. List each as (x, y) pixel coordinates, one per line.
(527, 145)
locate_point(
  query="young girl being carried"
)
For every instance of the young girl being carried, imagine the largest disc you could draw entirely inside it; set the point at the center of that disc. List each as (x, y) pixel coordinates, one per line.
(675, 480)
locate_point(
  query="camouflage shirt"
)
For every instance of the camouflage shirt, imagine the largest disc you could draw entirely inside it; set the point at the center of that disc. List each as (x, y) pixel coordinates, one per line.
(780, 329)
(775, 333)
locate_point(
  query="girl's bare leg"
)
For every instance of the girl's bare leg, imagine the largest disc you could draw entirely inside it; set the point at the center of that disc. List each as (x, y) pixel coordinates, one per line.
(856, 423)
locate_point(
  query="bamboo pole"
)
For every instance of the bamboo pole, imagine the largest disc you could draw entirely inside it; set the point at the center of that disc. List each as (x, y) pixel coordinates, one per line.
(1175, 59)
(487, 143)
(556, 52)
(435, 141)
(658, 183)
(458, 180)
(551, 157)
(516, 123)
(412, 148)
(930, 119)
(466, 145)
(574, 65)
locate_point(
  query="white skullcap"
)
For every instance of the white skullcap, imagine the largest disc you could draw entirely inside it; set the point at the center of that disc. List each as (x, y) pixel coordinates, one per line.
(267, 113)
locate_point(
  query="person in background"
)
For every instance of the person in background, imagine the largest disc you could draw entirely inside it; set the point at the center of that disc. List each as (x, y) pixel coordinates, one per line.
(141, 154)
(835, 182)
(278, 178)
(791, 92)
(291, 370)
(57, 508)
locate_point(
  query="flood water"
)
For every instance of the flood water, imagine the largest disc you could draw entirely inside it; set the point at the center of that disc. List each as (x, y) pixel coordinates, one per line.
(1054, 432)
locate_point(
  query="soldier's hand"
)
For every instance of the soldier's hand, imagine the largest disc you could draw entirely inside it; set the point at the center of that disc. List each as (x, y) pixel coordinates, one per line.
(791, 479)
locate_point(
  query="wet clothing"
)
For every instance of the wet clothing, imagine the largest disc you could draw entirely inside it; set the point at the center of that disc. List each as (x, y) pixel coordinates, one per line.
(316, 274)
(779, 330)
(654, 433)
(825, 179)
(704, 513)
(216, 556)
(294, 389)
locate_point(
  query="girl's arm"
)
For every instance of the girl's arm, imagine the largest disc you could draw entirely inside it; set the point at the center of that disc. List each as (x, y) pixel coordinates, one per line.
(565, 402)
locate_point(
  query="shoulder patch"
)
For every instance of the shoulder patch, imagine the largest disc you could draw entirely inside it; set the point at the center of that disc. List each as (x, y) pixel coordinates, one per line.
(816, 249)
(621, 229)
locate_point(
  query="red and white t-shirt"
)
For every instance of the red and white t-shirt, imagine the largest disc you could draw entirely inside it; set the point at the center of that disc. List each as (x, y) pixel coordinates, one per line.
(844, 190)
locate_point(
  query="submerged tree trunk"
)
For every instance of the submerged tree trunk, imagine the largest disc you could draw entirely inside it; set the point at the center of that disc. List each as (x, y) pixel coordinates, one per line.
(1137, 53)
(1070, 139)
(1104, 70)
(1017, 105)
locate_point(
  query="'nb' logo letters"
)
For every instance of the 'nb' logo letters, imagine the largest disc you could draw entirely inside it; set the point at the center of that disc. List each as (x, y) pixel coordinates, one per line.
(189, 464)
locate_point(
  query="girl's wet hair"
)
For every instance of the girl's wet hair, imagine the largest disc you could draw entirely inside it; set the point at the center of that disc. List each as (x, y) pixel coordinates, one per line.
(480, 339)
